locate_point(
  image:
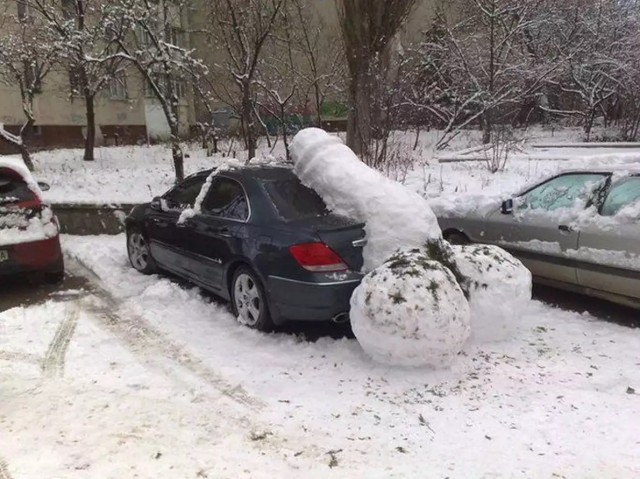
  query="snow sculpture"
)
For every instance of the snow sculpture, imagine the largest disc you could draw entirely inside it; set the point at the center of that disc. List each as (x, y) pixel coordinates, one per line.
(411, 312)
(414, 307)
(498, 286)
(395, 216)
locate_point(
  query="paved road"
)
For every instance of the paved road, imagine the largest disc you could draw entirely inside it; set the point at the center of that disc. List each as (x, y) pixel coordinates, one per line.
(27, 291)
(583, 304)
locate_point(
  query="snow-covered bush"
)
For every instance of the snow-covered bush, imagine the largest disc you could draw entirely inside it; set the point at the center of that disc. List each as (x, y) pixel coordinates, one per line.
(394, 215)
(498, 287)
(411, 312)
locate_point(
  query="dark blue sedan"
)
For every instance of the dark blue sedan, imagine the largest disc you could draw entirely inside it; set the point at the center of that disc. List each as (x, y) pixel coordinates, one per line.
(261, 240)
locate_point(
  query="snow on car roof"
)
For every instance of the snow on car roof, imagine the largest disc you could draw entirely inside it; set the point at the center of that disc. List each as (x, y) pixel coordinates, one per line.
(19, 167)
(629, 169)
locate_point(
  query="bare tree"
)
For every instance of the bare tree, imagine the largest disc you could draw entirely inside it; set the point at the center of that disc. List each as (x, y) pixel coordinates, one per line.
(156, 46)
(27, 56)
(481, 68)
(84, 31)
(319, 67)
(602, 44)
(368, 30)
(240, 30)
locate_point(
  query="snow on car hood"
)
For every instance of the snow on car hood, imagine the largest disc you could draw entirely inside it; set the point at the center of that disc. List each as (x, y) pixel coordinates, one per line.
(459, 206)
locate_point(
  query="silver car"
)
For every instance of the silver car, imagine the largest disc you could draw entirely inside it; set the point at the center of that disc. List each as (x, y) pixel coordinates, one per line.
(579, 230)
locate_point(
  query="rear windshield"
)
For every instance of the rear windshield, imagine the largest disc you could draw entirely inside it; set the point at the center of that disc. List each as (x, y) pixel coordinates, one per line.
(13, 189)
(293, 200)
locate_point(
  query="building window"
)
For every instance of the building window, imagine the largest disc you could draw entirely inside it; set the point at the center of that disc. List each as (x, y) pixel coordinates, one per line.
(179, 86)
(75, 81)
(23, 10)
(118, 87)
(177, 37)
(145, 39)
(68, 8)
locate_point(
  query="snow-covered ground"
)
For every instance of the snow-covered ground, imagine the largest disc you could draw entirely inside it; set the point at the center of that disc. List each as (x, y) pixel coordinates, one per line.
(158, 380)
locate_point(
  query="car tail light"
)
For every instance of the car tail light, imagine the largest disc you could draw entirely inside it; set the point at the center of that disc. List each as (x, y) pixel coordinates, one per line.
(317, 257)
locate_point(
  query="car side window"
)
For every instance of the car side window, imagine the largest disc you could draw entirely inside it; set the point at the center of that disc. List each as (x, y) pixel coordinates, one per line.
(226, 198)
(184, 195)
(622, 194)
(561, 192)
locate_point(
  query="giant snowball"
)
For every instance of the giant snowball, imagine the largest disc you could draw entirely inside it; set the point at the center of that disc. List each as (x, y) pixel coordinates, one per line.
(411, 312)
(498, 286)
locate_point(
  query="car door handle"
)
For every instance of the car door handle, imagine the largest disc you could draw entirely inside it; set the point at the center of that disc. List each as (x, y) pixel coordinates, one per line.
(566, 228)
(224, 232)
(185, 224)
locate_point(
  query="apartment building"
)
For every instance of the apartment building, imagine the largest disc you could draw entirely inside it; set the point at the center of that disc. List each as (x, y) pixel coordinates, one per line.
(126, 110)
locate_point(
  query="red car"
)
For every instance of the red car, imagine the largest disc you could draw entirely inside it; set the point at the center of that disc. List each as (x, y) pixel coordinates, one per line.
(29, 232)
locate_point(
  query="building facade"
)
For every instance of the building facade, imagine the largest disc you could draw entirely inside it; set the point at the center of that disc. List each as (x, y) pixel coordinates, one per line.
(126, 111)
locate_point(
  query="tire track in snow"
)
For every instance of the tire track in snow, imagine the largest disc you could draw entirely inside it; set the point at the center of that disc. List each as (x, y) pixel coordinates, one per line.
(134, 331)
(53, 362)
(21, 357)
(4, 470)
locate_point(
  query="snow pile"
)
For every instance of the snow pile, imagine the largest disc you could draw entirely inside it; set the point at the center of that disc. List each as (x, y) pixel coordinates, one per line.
(411, 312)
(394, 215)
(498, 286)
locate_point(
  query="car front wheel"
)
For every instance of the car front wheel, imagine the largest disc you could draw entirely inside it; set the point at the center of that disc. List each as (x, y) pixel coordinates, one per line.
(248, 300)
(139, 253)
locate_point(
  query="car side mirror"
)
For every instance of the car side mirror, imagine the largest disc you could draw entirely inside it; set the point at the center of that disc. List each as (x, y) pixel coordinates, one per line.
(44, 186)
(507, 207)
(156, 204)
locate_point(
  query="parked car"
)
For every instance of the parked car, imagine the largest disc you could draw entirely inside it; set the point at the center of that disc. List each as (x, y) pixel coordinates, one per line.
(260, 239)
(577, 231)
(29, 233)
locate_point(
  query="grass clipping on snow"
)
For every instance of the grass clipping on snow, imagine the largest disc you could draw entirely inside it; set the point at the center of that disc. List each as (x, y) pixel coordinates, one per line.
(421, 298)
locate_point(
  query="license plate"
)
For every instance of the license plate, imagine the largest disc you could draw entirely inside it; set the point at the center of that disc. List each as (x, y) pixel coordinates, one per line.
(4, 256)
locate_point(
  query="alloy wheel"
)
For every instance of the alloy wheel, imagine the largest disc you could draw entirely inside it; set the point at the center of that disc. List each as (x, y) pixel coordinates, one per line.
(247, 299)
(138, 251)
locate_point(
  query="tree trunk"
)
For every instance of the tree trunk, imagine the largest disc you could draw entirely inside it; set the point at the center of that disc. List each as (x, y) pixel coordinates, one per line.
(318, 100)
(177, 154)
(249, 126)
(23, 147)
(487, 128)
(90, 140)
(26, 157)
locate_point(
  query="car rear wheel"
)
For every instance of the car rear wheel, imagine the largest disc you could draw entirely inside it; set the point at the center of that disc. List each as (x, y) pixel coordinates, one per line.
(139, 253)
(248, 300)
(457, 238)
(54, 277)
